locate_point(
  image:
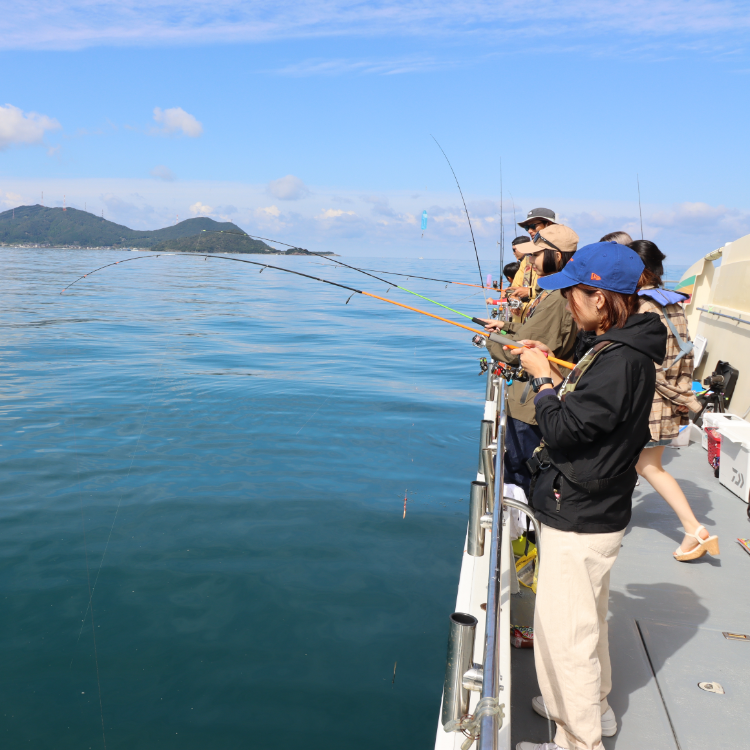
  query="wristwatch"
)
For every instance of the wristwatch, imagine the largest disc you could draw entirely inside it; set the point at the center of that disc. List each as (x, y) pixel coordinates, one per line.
(537, 383)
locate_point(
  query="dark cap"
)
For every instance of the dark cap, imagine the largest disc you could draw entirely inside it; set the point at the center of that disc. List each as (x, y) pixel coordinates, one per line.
(547, 214)
(520, 240)
(604, 265)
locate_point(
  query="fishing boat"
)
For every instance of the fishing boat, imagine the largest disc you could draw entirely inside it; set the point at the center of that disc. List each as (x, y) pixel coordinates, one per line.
(679, 633)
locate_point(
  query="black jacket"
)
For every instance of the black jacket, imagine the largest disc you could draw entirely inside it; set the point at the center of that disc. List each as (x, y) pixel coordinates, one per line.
(600, 429)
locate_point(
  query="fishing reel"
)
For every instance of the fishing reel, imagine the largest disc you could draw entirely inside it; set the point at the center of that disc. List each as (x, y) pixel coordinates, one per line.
(494, 312)
(479, 341)
(511, 373)
(515, 304)
(483, 366)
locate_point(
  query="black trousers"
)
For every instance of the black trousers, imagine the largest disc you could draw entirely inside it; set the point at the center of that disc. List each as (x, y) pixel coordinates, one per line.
(520, 441)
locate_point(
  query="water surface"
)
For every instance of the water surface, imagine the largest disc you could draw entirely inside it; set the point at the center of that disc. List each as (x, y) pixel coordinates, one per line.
(216, 460)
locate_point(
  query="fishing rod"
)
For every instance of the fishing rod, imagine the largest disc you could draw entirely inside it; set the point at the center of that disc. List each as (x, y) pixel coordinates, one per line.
(504, 340)
(389, 284)
(468, 218)
(429, 278)
(126, 260)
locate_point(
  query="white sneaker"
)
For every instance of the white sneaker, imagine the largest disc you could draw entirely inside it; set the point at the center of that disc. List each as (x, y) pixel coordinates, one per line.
(609, 722)
(535, 746)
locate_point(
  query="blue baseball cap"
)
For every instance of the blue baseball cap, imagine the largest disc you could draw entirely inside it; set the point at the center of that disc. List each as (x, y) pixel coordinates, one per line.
(604, 265)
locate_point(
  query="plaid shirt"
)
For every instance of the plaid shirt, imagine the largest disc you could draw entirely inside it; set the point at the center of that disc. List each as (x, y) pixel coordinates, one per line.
(673, 384)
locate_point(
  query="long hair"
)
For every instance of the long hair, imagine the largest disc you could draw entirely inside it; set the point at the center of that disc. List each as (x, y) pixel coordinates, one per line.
(653, 260)
(551, 263)
(617, 307)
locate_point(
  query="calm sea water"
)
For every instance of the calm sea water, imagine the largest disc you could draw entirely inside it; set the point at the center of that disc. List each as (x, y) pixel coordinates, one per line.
(215, 460)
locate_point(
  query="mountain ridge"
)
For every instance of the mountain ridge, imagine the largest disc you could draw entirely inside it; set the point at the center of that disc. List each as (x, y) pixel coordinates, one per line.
(40, 225)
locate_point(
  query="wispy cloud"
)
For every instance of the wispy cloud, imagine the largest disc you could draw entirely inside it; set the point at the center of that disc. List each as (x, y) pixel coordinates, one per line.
(160, 172)
(334, 67)
(74, 24)
(289, 188)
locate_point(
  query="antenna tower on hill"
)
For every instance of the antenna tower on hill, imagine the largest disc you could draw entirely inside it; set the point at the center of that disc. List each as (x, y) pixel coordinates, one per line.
(64, 206)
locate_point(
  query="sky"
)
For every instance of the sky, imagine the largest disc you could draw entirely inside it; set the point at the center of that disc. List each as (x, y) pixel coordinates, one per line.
(314, 123)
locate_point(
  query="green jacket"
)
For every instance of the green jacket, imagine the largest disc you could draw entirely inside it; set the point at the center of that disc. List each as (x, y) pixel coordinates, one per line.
(552, 324)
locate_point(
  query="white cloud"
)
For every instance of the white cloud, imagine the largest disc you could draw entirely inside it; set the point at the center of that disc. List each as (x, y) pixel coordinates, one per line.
(289, 188)
(74, 24)
(684, 231)
(198, 209)
(334, 213)
(23, 128)
(177, 120)
(160, 172)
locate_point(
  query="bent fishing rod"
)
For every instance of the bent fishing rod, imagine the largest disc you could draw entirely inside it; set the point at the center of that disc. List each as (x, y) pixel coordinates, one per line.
(429, 278)
(468, 218)
(504, 340)
(389, 284)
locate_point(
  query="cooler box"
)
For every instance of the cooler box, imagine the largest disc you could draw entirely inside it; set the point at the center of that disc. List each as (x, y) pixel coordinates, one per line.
(734, 466)
(717, 420)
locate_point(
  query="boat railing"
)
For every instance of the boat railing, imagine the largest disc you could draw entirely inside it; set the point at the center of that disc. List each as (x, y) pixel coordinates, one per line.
(489, 723)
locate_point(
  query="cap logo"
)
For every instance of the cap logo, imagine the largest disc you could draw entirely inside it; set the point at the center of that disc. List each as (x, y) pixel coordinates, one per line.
(595, 277)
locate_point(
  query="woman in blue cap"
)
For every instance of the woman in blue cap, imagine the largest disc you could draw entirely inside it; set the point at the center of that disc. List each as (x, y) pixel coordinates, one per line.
(594, 426)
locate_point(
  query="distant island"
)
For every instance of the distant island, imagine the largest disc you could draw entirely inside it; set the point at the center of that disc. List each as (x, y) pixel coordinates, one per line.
(38, 226)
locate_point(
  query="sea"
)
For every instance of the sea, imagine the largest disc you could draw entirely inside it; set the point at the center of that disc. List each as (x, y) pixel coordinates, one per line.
(204, 473)
(205, 467)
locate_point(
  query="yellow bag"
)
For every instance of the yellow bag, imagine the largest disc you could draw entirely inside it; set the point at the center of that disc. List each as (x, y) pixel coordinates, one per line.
(526, 569)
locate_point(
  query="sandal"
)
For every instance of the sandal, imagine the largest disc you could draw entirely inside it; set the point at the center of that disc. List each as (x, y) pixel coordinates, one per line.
(710, 545)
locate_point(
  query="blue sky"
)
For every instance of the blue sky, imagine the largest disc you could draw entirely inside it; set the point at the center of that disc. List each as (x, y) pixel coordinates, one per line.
(312, 122)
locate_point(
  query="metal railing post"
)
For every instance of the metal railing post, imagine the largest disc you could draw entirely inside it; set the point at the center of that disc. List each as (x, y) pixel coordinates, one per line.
(475, 534)
(488, 737)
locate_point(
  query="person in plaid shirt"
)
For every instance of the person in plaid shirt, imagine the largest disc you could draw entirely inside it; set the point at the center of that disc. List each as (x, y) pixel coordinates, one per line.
(673, 399)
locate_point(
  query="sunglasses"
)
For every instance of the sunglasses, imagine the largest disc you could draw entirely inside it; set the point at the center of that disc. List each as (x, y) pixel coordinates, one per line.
(539, 238)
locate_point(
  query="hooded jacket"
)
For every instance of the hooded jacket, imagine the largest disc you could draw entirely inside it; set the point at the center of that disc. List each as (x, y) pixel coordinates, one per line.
(600, 429)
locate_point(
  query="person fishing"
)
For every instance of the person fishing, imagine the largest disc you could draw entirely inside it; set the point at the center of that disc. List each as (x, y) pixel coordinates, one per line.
(509, 271)
(585, 338)
(594, 426)
(547, 319)
(673, 399)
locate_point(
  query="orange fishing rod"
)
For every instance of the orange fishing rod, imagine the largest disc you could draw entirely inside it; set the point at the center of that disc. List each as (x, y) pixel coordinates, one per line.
(504, 340)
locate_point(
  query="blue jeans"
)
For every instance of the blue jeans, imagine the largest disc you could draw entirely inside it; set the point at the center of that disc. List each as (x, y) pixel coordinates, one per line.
(520, 441)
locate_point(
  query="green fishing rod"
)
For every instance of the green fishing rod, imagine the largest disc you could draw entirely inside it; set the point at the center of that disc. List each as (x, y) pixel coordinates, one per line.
(477, 321)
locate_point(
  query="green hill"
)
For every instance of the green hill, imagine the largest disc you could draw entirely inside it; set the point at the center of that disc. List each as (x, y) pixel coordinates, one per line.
(214, 242)
(38, 225)
(225, 242)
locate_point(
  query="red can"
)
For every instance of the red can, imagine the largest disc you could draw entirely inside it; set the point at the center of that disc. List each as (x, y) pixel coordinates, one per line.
(714, 447)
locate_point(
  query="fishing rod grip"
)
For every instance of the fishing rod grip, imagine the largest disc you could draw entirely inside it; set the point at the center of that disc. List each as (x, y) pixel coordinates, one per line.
(479, 322)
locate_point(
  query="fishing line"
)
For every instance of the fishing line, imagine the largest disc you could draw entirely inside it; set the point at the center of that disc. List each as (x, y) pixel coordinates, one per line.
(389, 284)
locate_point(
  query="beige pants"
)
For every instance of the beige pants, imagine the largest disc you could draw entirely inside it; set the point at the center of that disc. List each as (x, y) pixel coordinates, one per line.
(571, 650)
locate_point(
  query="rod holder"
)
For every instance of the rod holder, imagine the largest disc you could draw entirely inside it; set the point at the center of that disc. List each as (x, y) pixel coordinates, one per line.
(488, 470)
(489, 393)
(463, 629)
(486, 428)
(475, 535)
